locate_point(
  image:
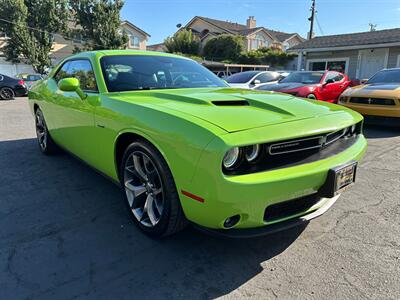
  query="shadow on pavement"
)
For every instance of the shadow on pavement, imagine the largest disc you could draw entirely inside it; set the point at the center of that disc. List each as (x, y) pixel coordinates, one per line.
(65, 232)
(375, 131)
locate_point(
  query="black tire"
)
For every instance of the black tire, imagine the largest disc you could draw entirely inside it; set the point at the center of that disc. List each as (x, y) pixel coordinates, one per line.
(312, 97)
(7, 93)
(172, 218)
(46, 144)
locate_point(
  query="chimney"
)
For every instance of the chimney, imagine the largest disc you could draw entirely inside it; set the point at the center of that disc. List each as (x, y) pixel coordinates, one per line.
(251, 22)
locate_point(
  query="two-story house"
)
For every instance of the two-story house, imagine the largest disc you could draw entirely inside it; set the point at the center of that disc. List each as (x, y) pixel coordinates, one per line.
(254, 36)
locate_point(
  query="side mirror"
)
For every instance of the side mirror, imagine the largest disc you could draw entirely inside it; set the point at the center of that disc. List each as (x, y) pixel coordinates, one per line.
(71, 85)
(363, 81)
(329, 81)
(256, 82)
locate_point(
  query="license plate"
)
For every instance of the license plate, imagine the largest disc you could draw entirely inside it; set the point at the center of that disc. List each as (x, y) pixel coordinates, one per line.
(345, 176)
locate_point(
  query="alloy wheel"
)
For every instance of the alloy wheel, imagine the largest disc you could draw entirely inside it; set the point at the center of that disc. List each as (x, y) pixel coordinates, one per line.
(143, 188)
(41, 131)
(6, 93)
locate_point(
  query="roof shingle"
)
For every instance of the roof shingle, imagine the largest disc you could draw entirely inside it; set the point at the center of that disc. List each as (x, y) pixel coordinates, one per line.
(352, 39)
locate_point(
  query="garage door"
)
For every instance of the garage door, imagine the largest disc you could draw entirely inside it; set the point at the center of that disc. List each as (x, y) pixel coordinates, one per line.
(7, 69)
(372, 61)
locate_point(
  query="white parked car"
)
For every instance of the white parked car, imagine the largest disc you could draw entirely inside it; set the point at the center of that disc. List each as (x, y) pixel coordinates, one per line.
(253, 79)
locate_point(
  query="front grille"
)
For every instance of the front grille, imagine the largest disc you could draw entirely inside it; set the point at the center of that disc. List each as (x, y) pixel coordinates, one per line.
(293, 152)
(296, 145)
(373, 101)
(290, 208)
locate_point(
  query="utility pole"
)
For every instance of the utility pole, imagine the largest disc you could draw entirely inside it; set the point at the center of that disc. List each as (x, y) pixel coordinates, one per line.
(311, 19)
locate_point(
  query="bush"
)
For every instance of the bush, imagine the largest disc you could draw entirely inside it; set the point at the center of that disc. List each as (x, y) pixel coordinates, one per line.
(266, 56)
(183, 42)
(225, 47)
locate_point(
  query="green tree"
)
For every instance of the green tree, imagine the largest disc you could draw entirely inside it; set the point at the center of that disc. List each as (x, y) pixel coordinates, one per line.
(98, 23)
(266, 56)
(30, 25)
(225, 47)
(183, 41)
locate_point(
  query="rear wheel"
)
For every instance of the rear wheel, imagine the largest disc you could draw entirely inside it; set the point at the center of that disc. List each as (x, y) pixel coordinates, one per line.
(312, 96)
(46, 143)
(150, 190)
(7, 93)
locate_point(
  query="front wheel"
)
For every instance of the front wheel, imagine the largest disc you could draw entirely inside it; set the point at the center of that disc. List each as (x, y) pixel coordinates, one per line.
(150, 191)
(7, 93)
(312, 97)
(46, 143)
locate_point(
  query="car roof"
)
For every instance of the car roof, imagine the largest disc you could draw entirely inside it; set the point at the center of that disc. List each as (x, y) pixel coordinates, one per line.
(101, 53)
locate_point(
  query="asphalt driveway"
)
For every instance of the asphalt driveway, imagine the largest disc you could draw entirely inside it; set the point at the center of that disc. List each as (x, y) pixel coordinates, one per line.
(65, 233)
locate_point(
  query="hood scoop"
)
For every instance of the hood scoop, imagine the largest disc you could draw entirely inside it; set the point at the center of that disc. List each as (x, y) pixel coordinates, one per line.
(231, 103)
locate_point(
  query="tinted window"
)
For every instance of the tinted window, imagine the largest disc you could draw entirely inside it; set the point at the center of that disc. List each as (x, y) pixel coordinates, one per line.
(267, 77)
(33, 77)
(82, 70)
(63, 72)
(386, 76)
(144, 72)
(241, 77)
(330, 76)
(304, 77)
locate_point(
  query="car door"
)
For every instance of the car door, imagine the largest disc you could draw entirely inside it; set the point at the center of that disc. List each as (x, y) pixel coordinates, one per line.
(71, 119)
(329, 90)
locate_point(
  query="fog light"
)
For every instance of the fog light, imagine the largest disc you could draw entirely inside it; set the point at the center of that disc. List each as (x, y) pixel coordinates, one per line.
(231, 221)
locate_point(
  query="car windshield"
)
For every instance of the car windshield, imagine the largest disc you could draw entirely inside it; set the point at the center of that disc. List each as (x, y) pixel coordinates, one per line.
(304, 77)
(147, 72)
(241, 77)
(386, 76)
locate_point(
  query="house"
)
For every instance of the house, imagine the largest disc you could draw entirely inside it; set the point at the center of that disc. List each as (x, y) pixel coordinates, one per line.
(255, 37)
(157, 47)
(137, 37)
(64, 47)
(360, 55)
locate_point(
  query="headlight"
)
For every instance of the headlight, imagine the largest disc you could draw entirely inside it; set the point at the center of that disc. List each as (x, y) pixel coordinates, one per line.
(231, 158)
(252, 152)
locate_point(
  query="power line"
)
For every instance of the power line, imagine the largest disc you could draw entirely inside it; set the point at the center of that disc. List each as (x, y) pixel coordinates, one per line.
(319, 25)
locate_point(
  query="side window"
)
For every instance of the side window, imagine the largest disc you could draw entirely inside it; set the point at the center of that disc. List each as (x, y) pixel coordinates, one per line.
(330, 75)
(266, 77)
(62, 73)
(82, 70)
(338, 77)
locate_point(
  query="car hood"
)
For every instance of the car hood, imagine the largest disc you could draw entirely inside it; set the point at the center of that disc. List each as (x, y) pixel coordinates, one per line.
(285, 86)
(232, 109)
(371, 90)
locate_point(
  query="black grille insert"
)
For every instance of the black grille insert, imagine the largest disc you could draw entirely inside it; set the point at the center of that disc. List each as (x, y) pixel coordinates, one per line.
(374, 101)
(231, 103)
(290, 208)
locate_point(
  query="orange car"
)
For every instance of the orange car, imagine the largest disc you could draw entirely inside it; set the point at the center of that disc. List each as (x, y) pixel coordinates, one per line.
(378, 97)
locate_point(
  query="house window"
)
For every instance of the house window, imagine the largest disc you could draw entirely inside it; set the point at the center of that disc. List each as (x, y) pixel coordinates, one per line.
(339, 65)
(286, 45)
(134, 41)
(259, 41)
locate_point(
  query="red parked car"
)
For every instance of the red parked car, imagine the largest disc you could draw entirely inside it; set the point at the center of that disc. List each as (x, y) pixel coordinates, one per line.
(325, 86)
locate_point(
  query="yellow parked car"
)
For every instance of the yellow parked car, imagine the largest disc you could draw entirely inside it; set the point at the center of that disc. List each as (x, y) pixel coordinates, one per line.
(376, 98)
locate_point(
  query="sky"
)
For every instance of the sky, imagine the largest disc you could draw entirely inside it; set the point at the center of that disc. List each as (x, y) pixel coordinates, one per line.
(160, 17)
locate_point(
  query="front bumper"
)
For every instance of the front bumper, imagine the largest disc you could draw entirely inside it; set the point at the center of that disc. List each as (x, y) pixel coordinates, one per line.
(249, 195)
(274, 228)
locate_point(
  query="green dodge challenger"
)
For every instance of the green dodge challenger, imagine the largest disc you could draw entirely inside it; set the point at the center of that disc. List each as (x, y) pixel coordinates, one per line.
(187, 148)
